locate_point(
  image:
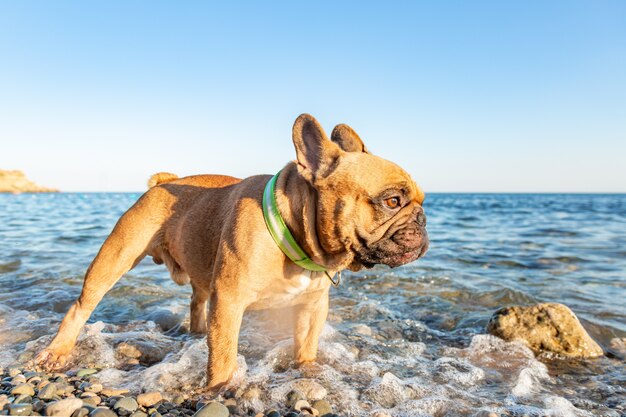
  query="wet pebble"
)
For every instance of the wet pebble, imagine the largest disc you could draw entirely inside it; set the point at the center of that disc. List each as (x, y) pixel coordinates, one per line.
(485, 413)
(301, 404)
(148, 399)
(20, 409)
(92, 401)
(323, 407)
(112, 400)
(102, 412)
(110, 392)
(96, 388)
(293, 397)
(81, 412)
(24, 388)
(23, 399)
(251, 394)
(144, 352)
(126, 406)
(39, 385)
(231, 404)
(86, 372)
(47, 392)
(213, 409)
(18, 379)
(310, 389)
(166, 319)
(63, 408)
(64, 388)
(34, 380)
(617, 347)
(128, 350)
(39, 406)
(165, 407)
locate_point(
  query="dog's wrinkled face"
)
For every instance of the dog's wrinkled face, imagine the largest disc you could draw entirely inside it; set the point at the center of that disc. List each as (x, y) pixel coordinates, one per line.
(367, 206)
(387, 220)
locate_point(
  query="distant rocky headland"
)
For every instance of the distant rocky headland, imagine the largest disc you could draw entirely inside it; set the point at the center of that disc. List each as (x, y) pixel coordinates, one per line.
(16, 182)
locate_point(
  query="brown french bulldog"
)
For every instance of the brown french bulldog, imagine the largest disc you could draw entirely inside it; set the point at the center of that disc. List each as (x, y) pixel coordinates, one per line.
(342, 206)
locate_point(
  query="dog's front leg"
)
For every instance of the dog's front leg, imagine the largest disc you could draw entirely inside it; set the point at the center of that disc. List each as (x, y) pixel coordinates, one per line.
(310, 319)
(199, 298)
(225, 315)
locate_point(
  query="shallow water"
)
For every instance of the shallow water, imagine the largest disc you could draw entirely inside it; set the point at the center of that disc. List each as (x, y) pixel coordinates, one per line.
(409, 340)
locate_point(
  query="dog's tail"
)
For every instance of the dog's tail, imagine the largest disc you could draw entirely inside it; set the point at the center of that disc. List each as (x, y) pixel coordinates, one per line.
(161, 178)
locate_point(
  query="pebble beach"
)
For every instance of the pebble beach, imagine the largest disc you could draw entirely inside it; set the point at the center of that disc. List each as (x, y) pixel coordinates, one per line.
(81, 393)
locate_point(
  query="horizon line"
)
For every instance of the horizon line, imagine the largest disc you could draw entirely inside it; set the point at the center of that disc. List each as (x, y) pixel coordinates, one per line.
(429, 192)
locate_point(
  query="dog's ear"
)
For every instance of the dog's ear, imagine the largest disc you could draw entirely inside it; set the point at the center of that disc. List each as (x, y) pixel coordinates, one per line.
(315, 153)
(347, 139)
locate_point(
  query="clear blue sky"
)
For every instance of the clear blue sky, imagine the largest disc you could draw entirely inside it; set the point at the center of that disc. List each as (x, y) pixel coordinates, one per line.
(468, 96)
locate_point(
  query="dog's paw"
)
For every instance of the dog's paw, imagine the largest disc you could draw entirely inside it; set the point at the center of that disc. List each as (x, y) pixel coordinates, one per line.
(48, 360)
(309, 369)
(211, 393)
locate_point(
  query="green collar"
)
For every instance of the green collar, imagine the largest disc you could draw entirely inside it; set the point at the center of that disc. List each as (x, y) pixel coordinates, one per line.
(281, 234)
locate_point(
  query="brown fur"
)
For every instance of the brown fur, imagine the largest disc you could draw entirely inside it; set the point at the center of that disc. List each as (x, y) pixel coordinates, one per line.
(209, 231)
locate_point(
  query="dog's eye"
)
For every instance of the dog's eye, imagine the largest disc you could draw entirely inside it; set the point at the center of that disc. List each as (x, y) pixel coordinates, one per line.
(392, 202)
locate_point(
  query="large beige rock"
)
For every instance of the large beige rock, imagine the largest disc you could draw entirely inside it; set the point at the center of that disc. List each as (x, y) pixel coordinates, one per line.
(16, 182)
(548, 327)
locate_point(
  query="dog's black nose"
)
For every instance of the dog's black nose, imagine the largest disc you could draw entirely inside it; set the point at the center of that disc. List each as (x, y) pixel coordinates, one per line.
(421, 218)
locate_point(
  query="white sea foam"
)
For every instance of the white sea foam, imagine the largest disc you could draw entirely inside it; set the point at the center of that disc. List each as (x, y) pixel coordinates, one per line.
(359, 374)
(447, 370)
(513, 362)
(387, 391)
(529, 379)
(560, 407)
(425, 407)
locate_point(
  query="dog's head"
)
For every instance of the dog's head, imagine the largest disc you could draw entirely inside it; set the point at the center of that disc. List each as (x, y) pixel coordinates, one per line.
(366, 206)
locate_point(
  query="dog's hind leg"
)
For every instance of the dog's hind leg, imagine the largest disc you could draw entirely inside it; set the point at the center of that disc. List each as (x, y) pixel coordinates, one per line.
(122, 250)
(224, 321)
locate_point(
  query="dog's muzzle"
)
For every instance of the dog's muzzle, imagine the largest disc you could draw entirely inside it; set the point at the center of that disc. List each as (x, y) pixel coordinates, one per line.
(407, 244)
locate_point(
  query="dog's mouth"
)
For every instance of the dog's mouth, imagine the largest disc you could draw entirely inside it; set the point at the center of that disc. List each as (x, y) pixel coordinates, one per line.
(393, 252)
(407, 257)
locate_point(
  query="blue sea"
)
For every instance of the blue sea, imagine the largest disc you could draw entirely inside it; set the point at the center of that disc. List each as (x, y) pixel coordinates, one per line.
(408, 341)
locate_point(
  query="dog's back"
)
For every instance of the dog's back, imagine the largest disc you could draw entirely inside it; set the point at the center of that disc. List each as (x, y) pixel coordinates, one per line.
(205, 181)
(171, 198)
